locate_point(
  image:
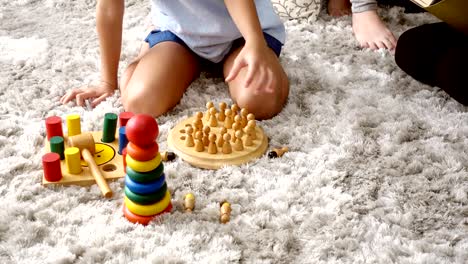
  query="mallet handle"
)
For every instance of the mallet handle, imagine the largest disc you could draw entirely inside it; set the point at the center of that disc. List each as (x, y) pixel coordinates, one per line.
(100, 180)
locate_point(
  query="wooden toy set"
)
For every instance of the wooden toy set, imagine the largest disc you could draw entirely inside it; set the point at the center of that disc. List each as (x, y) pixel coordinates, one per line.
(220, 137)
(146, 192)
(223, 136)
(84, 158)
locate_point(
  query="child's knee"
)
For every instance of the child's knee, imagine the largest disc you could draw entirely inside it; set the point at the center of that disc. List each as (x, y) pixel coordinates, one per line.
(263, 105)
(140, 103)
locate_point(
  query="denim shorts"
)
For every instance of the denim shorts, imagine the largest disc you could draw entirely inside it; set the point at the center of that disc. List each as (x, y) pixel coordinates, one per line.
(157, 36)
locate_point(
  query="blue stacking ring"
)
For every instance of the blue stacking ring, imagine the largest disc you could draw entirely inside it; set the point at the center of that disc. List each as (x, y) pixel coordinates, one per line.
(144, 177)
(145, 188)
(146, 198)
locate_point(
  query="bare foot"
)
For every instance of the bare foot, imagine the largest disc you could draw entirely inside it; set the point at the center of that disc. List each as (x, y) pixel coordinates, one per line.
(339, 8)
(371, 32)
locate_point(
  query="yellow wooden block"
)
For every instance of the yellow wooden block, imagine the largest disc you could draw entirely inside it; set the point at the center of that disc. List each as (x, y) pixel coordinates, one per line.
(73, 124)
(73, 160)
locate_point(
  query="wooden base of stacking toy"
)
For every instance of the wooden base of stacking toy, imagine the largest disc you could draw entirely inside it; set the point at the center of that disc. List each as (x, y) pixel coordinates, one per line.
(107, 160)
(177, 141)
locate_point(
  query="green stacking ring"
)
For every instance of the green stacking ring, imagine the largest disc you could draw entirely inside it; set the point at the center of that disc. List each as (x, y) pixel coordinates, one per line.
(143, 177)
(146, 198)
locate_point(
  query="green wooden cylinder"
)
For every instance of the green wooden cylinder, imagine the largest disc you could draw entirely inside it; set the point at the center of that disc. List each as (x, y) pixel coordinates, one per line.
(57, 145)
(109, 128)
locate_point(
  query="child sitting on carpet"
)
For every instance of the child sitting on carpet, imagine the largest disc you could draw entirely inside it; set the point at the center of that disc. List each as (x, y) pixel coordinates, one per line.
(243, 38)
(368, 28)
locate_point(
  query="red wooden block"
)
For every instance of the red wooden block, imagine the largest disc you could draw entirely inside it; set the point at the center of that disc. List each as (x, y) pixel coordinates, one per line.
(124, 117)
(51, 165)
(54, 127)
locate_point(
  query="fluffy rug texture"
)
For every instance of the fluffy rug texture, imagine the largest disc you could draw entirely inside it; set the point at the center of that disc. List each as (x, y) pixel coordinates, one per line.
(377, 171)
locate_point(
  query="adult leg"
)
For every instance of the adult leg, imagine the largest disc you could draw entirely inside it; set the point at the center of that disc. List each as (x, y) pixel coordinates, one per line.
(156, 82)
(263, 105)
(436, 54)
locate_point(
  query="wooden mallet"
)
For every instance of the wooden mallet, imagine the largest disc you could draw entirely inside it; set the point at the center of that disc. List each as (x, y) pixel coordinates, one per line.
(85, 142)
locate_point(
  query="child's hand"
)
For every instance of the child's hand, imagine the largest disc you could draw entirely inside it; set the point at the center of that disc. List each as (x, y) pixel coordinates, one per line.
(99, 92)
(259, 75)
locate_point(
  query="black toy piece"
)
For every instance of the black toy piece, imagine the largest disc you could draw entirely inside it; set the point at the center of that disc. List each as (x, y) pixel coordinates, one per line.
(277, 152)
(168, 156)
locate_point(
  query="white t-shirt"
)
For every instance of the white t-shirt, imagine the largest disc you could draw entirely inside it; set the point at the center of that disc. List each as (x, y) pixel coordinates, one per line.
(206, 25)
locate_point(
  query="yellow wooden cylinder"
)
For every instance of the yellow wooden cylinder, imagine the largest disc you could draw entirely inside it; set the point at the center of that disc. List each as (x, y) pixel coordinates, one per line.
(73, 160)
(73, 124)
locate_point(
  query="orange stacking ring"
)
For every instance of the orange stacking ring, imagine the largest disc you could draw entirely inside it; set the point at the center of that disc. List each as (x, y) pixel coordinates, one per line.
(144, 220)
(142, 154)
(148, 210)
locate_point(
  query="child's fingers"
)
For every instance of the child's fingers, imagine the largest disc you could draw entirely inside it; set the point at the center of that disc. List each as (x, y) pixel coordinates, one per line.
(236, 67)
(81, 97)
(270, 84)
(251, 71)
(99, 99)
(70, 95)
(257, 84)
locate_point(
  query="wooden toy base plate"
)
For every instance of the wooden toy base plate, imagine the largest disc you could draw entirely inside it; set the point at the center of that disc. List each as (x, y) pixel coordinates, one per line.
(107, 158)
(176, 141)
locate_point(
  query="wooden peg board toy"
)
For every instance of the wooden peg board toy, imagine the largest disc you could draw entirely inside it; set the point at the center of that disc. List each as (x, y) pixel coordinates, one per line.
(106, 155)
(202, 140)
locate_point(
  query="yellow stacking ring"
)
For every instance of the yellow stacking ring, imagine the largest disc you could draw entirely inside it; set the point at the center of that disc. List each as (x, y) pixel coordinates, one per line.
(151, 209)
(143, 166)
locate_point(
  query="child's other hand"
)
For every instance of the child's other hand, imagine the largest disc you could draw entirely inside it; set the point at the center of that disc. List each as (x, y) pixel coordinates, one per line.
(260, 73)
(99, 92)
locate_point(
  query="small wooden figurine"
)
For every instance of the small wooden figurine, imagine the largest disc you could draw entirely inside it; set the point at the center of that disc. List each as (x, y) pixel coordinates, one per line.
(225, 211)
(189, 202)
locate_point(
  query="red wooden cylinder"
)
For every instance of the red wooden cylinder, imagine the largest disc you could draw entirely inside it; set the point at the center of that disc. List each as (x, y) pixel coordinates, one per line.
(51, 165)
(54, 127)
(124, 117)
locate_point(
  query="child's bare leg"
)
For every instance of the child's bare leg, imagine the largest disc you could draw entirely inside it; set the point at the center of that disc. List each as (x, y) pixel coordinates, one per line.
(155, 83)
(264, 105)
(371, 32)
(131, 67)
(338, 8)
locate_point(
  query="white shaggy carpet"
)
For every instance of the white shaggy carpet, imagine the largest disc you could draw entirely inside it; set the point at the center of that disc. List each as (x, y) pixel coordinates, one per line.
(377, 171)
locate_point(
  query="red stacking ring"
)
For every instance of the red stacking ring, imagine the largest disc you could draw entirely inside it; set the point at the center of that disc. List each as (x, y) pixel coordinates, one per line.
(124, 155)
(142, 154)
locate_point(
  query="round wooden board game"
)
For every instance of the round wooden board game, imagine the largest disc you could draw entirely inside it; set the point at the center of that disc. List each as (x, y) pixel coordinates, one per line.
(176, 141)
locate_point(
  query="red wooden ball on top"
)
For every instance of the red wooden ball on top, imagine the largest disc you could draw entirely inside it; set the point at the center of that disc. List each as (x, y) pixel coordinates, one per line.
(142, 130)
